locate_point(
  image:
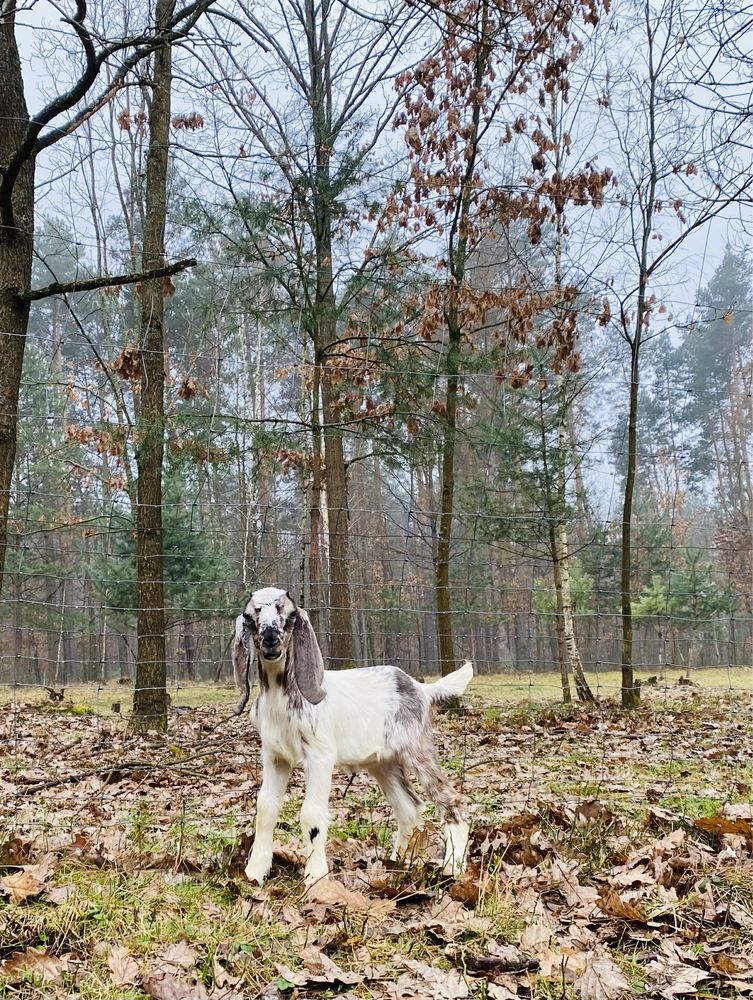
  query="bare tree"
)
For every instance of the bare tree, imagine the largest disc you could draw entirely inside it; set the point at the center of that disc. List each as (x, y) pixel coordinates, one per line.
(150, 694)
(315, 130)
(457, 116)
(680, 172)
(22, 139)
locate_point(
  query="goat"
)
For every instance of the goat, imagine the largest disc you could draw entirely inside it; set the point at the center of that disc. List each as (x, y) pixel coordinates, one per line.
(372, 718)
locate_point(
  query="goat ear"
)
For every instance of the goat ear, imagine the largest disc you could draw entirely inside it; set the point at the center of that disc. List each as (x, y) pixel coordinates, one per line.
(308, 666)
(242, 655)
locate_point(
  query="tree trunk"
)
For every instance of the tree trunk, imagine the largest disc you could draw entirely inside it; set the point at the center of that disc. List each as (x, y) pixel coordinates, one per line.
(560, 616)
(630, 692)
(446, 499)
(568, 624)
(188, 650)
(325, 337)
(563, 547)
(16, 247)
(150, 693)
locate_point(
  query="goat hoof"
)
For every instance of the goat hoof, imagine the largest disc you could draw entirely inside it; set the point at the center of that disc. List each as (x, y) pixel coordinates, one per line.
(314, 875)
(256, 872)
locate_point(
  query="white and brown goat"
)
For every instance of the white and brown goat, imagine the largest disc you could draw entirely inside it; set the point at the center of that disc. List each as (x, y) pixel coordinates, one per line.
(376, 719)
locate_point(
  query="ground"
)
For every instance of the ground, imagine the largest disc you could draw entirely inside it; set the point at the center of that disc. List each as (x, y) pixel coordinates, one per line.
(611, 856)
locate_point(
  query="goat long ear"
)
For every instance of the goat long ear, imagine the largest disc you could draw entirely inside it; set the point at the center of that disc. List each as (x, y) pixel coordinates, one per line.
(308, 666)
(242, 656)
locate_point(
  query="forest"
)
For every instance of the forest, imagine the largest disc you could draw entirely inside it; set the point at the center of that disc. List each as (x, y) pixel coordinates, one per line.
(437, 315)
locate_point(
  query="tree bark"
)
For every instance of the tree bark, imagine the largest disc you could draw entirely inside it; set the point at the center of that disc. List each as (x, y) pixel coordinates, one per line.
(630, 692)
(447, 497)
(582, 688)
(150, 691)
(324, 338)
(16, 243)
(560, 617)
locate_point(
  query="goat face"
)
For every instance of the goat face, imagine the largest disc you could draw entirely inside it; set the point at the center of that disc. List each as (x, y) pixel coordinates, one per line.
(284, 641)
(269, 616)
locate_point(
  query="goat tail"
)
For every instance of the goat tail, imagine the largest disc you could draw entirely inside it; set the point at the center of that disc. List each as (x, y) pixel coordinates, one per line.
(452, 685)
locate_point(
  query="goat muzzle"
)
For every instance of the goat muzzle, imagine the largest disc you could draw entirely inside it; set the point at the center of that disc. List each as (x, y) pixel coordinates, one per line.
(271, 644)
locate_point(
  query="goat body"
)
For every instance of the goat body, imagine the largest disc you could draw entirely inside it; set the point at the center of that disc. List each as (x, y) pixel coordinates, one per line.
(373, 718)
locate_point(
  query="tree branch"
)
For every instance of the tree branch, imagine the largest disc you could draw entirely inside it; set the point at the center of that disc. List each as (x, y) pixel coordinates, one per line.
(106, 281)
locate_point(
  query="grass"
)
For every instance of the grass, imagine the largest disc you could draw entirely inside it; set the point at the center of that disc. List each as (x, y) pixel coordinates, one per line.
(170, 867)
(497, 691)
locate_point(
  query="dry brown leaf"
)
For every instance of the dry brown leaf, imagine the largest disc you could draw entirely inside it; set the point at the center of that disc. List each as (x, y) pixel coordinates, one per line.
(318, 970)
(180, 955)
(613, 905)
(448, 920)
(222, 977)
(333, 893)
(59, 894)
(34, 962)
(163, 986)
(498, 991)
(467, 888)
(125, 971)
(670, 976)
(564, 965)
(499, 958)
(731, 965)
(603, 979)
(14, 852)
(20, 886)
(718, 825)
(563, 875)
(423, 980)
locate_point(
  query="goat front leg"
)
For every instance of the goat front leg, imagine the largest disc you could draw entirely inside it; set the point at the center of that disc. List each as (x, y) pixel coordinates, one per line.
(269, 800)
(315, 816)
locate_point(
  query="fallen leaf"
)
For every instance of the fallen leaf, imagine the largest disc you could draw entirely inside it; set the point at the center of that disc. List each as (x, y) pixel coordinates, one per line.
(426, 981)
(498, 991)
(670, 976)
(180, 955)
(448, 920)
(318, 970)
(59, 894)
(163, 986)
(499, 958)
(20, 886)
(613, 905)
(34, 962)
(718, 825)
(602, 980)
(333, 893)
(222, 977)
(125, 971)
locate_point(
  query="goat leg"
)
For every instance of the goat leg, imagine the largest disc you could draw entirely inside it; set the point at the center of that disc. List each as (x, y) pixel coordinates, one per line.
(274, 782)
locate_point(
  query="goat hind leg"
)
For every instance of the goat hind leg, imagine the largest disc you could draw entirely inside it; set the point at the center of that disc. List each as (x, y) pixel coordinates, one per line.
(450, 812)
(269, 800)
(406, 805)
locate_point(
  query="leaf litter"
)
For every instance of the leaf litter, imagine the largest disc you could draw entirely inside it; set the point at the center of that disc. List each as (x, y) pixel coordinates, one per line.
(611, 856)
